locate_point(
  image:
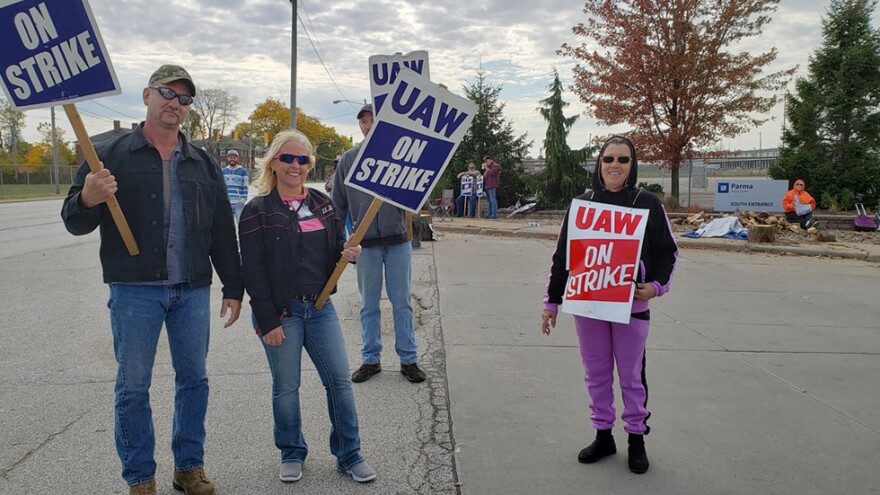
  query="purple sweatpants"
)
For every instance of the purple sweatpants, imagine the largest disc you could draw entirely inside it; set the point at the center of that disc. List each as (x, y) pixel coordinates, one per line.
(602, 343)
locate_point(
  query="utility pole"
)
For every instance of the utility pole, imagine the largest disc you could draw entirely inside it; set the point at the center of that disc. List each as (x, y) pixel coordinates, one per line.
(14, 154)
(293, 67)
(55, 153)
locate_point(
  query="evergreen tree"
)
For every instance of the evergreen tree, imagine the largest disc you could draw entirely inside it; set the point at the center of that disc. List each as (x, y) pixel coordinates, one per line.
(490, 134)
(564, 176)
(833, 137)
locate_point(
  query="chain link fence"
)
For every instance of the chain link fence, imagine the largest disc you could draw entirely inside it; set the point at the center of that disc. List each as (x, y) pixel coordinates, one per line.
(34, 181)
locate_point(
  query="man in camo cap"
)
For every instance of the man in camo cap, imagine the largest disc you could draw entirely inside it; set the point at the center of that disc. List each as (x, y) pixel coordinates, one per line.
(174, 198)
(171, 73)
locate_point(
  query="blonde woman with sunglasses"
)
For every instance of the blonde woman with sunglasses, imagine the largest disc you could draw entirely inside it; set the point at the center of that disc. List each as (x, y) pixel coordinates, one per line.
(290, 243)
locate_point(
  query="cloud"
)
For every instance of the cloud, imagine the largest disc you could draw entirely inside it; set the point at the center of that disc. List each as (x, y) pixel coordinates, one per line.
(245, 46)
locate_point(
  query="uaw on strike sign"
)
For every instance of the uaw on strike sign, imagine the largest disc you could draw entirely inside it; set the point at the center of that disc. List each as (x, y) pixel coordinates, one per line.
(412, 140)
(51, 53)
(385, 68)
(604, 243)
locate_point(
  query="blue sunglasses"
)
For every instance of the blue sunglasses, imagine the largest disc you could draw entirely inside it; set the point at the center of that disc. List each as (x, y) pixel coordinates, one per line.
(289, 158)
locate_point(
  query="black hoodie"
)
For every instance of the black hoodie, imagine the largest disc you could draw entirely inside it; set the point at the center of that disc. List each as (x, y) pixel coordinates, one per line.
(659, 251)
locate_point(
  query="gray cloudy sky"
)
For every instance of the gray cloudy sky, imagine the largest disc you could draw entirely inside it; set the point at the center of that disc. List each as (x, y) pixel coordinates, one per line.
(244, 46)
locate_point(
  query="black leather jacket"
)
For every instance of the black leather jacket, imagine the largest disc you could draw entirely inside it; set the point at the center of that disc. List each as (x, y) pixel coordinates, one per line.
(210, 230)
(270, 240)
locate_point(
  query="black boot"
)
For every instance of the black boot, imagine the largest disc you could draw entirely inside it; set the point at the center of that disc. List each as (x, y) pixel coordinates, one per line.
(638, 458)
(602, 446)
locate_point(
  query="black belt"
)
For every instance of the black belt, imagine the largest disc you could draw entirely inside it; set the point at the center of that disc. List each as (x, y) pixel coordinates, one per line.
(306, 297)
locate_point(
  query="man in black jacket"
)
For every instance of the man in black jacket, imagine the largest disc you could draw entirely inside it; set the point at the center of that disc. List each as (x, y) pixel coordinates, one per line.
(174, 198)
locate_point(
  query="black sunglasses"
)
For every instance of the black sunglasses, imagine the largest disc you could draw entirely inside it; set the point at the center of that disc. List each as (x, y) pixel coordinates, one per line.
(620, 159)
(170, 94)
(289, 158)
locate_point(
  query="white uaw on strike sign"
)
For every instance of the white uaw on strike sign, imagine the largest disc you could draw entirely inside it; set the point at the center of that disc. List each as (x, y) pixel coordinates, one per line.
(604, 244)
(52, 53)
(385, 68)
(411, 142)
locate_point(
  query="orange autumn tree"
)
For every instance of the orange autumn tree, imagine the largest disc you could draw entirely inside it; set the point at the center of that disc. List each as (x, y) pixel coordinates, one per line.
(273, 116)
(268, 118)
(666, 68)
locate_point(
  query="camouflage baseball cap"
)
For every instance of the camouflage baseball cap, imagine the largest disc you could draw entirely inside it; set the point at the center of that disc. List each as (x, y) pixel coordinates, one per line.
(170, 73)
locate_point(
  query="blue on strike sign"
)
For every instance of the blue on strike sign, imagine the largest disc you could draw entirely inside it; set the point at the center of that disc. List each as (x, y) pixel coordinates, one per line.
(52, 53)
(411, 141)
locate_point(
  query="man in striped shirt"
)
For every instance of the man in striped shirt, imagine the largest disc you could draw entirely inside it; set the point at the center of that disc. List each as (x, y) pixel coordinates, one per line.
(236, 183)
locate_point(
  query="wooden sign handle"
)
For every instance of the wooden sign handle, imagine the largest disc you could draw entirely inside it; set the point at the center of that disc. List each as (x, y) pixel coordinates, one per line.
(95, 165)
(354, 240)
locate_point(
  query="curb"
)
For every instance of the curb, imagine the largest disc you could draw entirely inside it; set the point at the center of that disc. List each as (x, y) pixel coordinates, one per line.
(496, 232)
(796, 250)
(744, 247)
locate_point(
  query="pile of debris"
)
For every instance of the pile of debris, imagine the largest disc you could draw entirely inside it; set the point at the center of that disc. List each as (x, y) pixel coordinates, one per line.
(762, 225)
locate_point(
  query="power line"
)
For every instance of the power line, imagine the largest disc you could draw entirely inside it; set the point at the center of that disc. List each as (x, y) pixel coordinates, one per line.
(321, 59)
(96, 102)
(303, 5)
(340, 116)
(332, 79)
(96, 115)
(81, 110)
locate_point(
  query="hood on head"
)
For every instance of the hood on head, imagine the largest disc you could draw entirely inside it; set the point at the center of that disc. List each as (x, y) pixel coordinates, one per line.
(598, 185)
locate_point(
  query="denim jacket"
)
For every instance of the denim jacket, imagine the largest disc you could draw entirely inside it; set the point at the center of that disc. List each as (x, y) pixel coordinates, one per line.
(210, 231)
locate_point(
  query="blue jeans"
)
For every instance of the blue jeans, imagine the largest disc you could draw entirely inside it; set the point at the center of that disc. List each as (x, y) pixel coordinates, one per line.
(397, 262)
(459, 205)
(137, 313)
(317, 330)
(237, 208)
(493, 203)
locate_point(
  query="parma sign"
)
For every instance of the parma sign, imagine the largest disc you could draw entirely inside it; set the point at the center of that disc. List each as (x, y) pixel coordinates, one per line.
(754, 195)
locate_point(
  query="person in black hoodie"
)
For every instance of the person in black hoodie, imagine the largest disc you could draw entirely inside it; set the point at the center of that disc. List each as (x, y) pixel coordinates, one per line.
(290, 243)
(603, 343)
